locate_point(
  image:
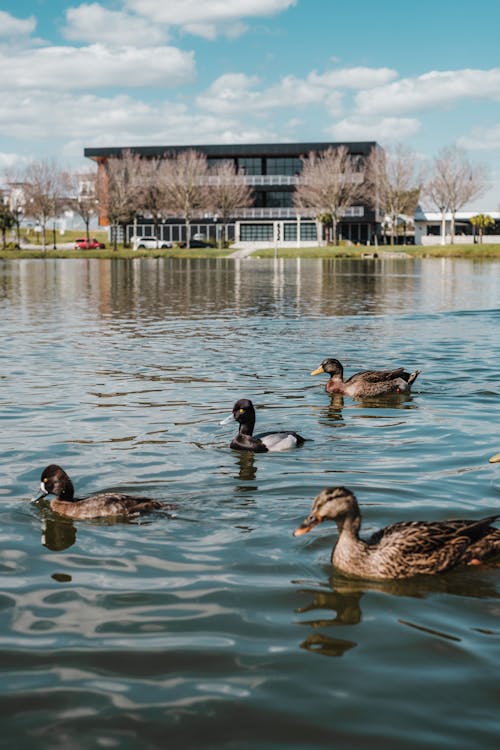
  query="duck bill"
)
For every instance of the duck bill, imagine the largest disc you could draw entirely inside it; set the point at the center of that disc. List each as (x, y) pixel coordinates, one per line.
(228, 419)
(38, 494)
(309, 523)
(495, 459)
(317, 371)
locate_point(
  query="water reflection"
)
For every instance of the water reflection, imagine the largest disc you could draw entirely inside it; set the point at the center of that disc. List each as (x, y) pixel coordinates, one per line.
(247, 470)
(57, 533)
(190, 287)
(340, 604)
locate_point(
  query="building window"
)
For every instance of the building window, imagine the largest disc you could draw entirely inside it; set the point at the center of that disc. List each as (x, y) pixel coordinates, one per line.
(278, 199)
(250, 165)
(256, 232)
(283, 165)
(307, 231)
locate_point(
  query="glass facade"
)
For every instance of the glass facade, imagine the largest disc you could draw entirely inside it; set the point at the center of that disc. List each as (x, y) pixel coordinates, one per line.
(278, 199)
(250, 165)
(283, 165)
(307, 231)
(256, 232)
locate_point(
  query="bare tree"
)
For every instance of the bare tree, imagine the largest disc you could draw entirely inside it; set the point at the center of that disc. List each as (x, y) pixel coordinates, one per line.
(186, 189)
(454, 182)
(227, 192)
(152, 190)
(330, 182)
(83, 198)
(45, 192)
(392, 184)
(121, 190)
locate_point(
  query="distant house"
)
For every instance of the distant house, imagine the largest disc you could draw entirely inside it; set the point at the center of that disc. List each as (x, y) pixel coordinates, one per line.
(432, 228)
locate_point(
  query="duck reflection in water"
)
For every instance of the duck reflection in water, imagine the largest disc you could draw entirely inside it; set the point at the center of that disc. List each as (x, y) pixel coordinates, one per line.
(247, 469)
(57, 533)
(340, 604)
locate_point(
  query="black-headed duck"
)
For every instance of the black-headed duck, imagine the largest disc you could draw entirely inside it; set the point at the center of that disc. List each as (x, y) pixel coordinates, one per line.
(55, 481)
(244, 413)
(403, 549)
(368, 383)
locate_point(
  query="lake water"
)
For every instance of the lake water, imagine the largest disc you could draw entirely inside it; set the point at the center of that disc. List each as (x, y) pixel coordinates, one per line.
(215, 627)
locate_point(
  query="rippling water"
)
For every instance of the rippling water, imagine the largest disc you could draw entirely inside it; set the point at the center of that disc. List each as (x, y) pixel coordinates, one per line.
(213, 627)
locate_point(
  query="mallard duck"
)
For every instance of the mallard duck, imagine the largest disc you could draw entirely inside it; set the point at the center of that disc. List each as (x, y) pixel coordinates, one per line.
(367, 383)
(55, 481)
(403, 549)
(244, 413)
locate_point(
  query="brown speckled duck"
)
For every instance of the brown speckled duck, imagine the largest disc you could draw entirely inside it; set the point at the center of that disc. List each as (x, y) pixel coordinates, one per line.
(55, 481)
(368, 383)
(404, 549)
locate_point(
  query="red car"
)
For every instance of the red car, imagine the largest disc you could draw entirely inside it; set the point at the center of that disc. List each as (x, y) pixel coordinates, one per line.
(83, 244)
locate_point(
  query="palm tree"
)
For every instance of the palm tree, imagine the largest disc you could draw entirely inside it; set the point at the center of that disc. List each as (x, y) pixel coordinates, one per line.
(482, 222)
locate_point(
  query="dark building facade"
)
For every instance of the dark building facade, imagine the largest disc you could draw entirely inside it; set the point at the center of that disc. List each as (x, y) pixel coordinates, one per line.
(272, 170)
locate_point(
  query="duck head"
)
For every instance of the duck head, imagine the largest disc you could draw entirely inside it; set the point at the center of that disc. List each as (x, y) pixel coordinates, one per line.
(332, 503)
(331, 366)
(243, 413)
(55, 481)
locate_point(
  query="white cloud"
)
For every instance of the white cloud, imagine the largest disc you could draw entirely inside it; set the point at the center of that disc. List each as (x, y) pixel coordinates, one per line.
(10, 160)
(387, 129)
(433, 90)
(352, 78)
(89, 120)
(10, 26)
(237, 92)
(95, 66)
(91, 22)
(481, 139)
(207, 18)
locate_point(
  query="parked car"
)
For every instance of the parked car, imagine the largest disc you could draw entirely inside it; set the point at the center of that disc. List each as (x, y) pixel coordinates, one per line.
(83, 244)
(150, 243)
(199, 243)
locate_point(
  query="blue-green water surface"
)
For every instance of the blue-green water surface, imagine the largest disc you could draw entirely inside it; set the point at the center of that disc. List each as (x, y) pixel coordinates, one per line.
(212, 626)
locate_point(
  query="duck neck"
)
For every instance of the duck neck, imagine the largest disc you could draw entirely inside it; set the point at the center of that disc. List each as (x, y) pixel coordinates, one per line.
(348, 543)
(66, 492)
(246, 428)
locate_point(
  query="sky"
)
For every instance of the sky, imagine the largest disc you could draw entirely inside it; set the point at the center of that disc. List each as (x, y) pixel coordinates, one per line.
(424, 75)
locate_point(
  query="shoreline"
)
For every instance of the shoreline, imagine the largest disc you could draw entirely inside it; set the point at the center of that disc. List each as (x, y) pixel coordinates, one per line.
(362, 253)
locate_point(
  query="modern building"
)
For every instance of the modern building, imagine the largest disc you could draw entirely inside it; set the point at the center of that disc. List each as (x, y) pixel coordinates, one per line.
(273, 171)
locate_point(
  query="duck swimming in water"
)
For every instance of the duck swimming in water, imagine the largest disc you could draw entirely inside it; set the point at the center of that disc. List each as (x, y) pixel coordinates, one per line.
(244, 413)
(403, 549)
(367, 383)
(55, 481)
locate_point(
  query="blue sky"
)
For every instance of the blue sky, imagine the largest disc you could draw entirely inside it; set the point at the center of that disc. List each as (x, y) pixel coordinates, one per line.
(163, 72)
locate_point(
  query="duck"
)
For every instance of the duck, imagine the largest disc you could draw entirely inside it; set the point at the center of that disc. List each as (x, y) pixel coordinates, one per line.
(244, 413)
(55, 481)
(404, 549)
(366, 383)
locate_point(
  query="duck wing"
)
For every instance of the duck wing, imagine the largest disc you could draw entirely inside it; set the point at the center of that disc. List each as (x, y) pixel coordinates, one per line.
(416, 547)
(118, 504)
(378, 376)
(280, 440)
